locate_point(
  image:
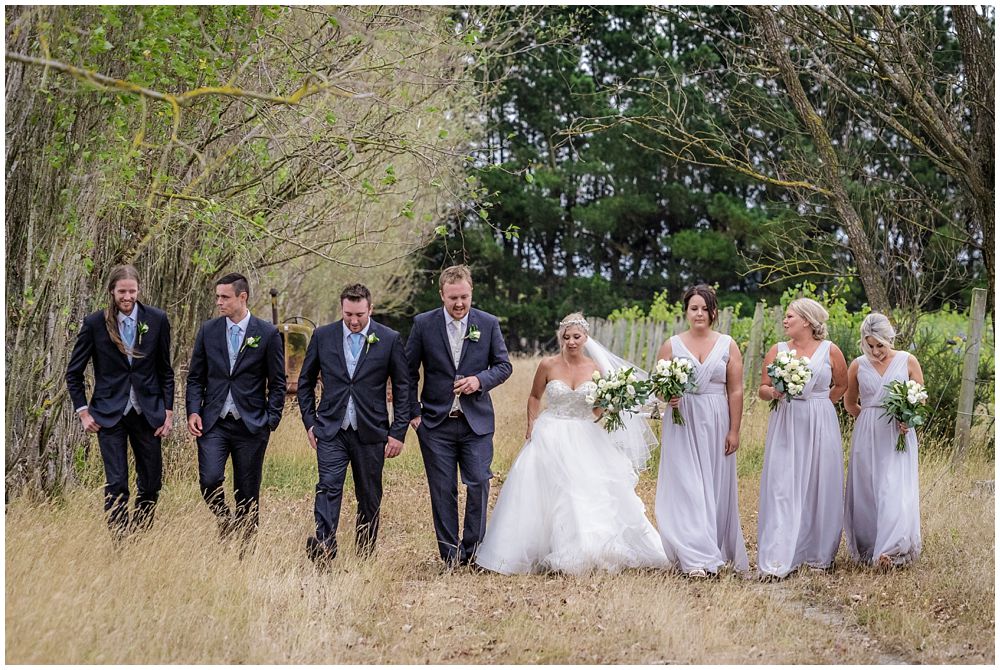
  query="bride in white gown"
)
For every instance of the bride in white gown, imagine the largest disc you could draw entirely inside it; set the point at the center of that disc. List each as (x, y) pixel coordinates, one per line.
(569, 502)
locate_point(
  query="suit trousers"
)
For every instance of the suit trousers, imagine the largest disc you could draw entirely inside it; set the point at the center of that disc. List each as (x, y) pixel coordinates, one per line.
(366, 462)
(447, 449)
(132, 428)
(230, 437)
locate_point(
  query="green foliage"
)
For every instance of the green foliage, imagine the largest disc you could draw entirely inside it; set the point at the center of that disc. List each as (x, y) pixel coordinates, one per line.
(594, 209)
(941, 355)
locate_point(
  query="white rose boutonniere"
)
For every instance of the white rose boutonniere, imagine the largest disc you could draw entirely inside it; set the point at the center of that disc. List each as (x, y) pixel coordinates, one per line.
(473, 335)
(142, 330)
(371, 339)
(252, 342)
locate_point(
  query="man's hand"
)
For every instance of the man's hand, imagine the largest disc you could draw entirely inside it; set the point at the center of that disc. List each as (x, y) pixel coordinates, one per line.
(415, 422)
(393, 447)
(466, 385)
(312, 438)
(194, 424)
(88, 422)
(168, 423)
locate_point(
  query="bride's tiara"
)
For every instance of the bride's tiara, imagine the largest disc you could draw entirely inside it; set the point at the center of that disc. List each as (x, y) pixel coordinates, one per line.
(582, 323)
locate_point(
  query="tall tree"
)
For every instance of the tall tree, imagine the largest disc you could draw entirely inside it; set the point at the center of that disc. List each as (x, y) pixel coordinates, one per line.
(860, 120)
(599, 222)
(303, 146)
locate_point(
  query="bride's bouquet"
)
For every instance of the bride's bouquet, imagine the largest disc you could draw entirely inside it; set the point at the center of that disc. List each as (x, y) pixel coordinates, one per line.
(789, 374)
(672, 378)
(617, 392)
(906, 403)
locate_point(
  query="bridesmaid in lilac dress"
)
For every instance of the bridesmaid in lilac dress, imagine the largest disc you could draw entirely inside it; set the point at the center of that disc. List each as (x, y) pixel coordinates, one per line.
(697, 509)
(882, 508)
(801, 487)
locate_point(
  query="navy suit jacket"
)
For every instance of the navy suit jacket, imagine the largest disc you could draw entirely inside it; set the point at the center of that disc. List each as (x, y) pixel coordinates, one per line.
(377, 363)
(487, 360)
(257, 380)
(151, 375)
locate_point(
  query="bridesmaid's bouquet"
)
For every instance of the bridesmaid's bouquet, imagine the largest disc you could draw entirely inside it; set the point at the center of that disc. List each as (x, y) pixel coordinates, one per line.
(618, 392)
(789, 374)
(906, 403)
(672, 378)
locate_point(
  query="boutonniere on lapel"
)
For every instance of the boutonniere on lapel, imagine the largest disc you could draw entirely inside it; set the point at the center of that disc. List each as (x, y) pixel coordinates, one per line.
(251, 342)
(371, 339)
(473, 334)
(141, 330)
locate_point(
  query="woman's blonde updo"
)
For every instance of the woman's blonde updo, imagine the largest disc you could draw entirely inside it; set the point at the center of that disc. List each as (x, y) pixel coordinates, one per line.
(574, 319)
(878, 327)
(814, 314)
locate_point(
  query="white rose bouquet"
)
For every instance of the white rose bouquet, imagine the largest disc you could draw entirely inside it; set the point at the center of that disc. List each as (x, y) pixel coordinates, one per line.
(906, 403)
(617, 392)
(789, 374)
(672, 378)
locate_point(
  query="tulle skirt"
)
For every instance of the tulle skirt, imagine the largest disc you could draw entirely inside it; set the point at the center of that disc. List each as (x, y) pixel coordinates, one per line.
(568, 504)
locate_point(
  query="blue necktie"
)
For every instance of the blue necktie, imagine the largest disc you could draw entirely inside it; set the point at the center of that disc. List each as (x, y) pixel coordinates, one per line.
(355, 344)
(129, 331)
(234, 344)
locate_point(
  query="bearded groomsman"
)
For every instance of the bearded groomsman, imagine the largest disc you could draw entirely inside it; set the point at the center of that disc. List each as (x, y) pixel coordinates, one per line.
(235, 396)
(356, 357)
(464, 357)
(133, 398)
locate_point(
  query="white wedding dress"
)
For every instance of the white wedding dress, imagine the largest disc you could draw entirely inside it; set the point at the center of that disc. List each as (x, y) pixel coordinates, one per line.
(568, 503)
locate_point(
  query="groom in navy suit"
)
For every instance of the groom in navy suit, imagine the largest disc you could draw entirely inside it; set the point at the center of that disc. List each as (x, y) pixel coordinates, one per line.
(133, 397)
(356, 357)
(235, 396)
(464, 357)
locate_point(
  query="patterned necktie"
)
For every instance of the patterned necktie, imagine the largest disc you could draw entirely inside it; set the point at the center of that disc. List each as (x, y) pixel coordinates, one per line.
(456, 340)
(234, 344)
(355, 344)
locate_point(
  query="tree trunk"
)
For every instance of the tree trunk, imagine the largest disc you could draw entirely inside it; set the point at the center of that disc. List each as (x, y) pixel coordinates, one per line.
(976, 40)
(864, 256)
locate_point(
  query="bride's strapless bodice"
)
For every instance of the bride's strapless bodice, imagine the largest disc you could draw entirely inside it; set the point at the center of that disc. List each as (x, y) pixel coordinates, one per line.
(569, 403)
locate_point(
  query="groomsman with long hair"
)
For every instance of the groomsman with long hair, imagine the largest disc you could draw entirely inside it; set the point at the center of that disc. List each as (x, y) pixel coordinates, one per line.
(235, 396)
(133, 397)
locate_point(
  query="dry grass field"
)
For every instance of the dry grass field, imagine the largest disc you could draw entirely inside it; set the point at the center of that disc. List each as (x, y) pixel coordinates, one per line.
(178, 596)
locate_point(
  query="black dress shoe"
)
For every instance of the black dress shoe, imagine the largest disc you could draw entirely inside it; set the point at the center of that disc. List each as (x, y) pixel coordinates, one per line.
(318, 552)
(226, 527)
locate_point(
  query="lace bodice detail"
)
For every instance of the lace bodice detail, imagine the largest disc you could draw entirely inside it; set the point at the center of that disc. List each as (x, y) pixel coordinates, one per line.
(569, 403)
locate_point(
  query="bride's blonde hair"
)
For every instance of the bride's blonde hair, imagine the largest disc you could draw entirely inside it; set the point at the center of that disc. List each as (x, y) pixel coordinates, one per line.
(570, 320)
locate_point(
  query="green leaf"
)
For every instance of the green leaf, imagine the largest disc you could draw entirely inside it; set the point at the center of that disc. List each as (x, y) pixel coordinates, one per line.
(442, 134)
(441, 230)
(528, 177)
